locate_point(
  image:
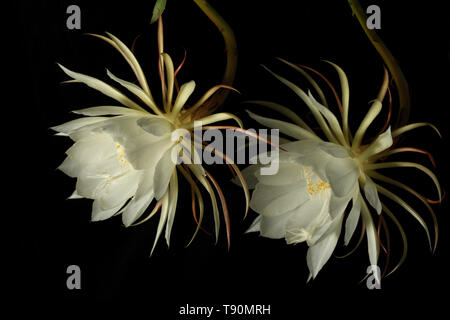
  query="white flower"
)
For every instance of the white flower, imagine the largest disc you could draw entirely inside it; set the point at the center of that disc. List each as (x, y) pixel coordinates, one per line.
(124, 157)
(114, 159)
(296, 203)
(338, 171)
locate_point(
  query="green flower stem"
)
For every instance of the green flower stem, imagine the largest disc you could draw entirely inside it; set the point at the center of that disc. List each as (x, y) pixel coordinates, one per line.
(389, 60)
(230, 48)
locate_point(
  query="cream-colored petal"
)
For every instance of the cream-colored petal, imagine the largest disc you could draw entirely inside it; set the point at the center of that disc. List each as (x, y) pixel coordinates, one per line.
(103, 87)
(381, 143)
(173, 200)
(93, 148)
(307, 219)
(137, 91)
(155, 126)
(321, 251)
(142, 150)
(276, 200)
(141, 200)
(162, 219)
(331, 119)
(99, 214)
(108, 110)
(183, 95)
(371, 193)
(125, 125)
(75, 195)
(256, 225)
(274, 227)
(339, 204)
(119, 190)
(373, 246)
(334, 150)
(288, 173)
(131, 59)
(144, 154)
(249, 174)
(91, 187)
(76, 124)
(310, 155)
(302, 147)
(352, 219)
(342, 175)
(70, 167)
(163, 172)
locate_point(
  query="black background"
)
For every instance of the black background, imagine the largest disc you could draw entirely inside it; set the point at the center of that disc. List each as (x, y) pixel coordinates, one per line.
(53, 233)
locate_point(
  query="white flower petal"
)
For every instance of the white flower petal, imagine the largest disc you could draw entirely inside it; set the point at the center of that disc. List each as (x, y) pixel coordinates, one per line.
(320, 231)
(274, 227)
(99, 214)
(148, 156)
(173, 200)
(70, 167)
(276, 200)
(125, 124)
(321, 251)
(108, 110)
(76, 124)
(339, 204)
(75, 195)
(142, 150)
(309, 154)
(302, 147)
(90, 186)
(352, 219)
(103, 168)
(155, 126)
(163, 171)
(140, 201)
(334, 150)
(93, 148)
(162, 219)
(371, 233)
(308, 213)
(256, 225)
(288, 173)
(307, 219)
(371, 193)
(119, 190)
(249, 174)
(342, 175)
(381, 143)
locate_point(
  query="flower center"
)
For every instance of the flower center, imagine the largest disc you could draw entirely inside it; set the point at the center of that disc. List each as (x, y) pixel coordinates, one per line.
(317, 186)
(121, 156)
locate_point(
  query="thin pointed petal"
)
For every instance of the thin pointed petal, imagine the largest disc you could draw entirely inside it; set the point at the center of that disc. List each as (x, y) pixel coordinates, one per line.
(408, 208)
(317, 115)
(173, 199)
(287, 128)
(284, 111)
(371, 193)
(103, 87)
(162, 219)
(137, 91)
(185, 92)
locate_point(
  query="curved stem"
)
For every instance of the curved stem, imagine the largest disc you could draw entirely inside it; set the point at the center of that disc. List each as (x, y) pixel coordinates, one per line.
(389, 60)
(230, 48)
